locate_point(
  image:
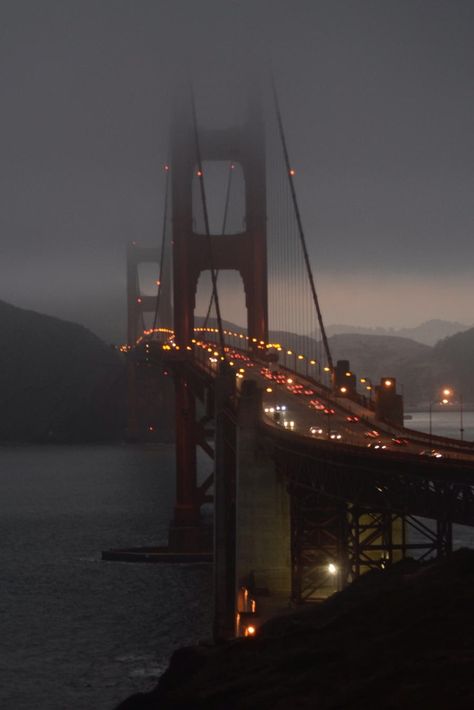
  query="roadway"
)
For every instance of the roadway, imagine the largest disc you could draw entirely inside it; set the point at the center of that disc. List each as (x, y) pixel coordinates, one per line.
(301, 405)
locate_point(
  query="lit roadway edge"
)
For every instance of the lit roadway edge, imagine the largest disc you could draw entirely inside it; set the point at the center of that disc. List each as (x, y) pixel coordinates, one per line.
(304, 415)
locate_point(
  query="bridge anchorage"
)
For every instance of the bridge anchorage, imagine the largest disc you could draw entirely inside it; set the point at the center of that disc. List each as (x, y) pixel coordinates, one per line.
(313, 483)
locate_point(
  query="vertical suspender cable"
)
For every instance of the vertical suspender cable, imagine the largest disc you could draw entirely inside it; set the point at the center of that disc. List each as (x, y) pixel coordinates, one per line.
(300, 227)
(162, 249)
(224, 226)
(215, 295)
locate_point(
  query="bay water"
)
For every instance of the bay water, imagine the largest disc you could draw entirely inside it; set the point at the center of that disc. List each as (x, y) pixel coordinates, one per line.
(447, 423)
(443, 423)
(75, 632)
(79, 633)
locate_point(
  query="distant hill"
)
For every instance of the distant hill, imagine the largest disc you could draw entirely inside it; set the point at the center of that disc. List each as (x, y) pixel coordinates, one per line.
(415, 366)
(58, 381)
(420, 369)
(428, 333)
(456, 355)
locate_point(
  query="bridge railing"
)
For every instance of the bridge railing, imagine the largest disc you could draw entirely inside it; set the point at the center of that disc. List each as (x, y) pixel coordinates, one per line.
(206, 348)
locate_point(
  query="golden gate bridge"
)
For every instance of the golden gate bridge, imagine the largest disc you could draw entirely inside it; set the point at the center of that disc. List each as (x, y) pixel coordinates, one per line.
(313, 483)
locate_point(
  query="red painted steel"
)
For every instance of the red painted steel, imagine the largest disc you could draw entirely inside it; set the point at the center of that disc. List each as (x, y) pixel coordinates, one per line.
(194, 253)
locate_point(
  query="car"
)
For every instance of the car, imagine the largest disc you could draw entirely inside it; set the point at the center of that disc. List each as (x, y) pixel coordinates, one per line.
(279, 411)
(329, 411)
(432, 453)
(335, 435)
(373, 434)
(377, 445)
(352, 419)
(398, 441)
(316, 404)
(315, 430)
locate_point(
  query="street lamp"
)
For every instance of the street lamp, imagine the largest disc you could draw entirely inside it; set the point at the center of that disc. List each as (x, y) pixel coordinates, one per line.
(327, 371)
(290, 352)
(447, 393)
(367, 382)
(431, 421)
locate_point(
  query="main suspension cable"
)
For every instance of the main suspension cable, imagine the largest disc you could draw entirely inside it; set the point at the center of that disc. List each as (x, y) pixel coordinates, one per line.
(309, 272)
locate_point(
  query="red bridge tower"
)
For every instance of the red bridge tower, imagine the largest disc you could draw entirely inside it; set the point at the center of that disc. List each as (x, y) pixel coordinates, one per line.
(194, 253)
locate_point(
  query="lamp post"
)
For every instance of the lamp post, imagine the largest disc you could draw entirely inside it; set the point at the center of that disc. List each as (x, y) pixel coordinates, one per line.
(447, 393)
(328, 430)
(431, 422)
(327, 371)
(288, 365)
(368, 386)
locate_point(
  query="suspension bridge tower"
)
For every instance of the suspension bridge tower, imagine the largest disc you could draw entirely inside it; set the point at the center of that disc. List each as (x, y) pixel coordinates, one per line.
(193, 253)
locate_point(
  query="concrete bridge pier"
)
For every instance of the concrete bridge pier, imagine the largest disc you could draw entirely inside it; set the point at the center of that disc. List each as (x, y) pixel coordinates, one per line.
(225, 472)
(263, 539)
(252, 555)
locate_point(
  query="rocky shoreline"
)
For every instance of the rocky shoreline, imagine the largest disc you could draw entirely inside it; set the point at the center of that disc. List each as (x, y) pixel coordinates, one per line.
(403, 638)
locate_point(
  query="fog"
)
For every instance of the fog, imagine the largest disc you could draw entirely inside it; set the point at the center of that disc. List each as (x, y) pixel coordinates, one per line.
(378, 107)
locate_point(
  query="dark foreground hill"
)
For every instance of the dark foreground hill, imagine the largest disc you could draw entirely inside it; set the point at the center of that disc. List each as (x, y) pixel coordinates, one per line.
(403, 638)
(58, 381)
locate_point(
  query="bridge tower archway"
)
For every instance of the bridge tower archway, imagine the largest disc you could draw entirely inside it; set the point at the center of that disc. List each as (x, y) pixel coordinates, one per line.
(232, 296)
(194, 252)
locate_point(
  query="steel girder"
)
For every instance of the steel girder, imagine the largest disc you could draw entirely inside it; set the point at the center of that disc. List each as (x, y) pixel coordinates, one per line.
(347, 520)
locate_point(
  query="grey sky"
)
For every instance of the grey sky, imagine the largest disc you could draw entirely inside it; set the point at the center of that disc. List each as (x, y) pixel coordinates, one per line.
(378, 102)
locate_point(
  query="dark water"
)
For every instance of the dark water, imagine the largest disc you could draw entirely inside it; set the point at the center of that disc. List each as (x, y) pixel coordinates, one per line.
(77, 633)
(443, 423)
(447, 423)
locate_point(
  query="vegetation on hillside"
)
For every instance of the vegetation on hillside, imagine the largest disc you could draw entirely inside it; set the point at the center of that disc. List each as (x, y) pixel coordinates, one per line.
(58, 381)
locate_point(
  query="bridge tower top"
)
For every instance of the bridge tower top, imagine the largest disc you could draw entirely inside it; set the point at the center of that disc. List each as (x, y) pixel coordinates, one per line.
(193, 252)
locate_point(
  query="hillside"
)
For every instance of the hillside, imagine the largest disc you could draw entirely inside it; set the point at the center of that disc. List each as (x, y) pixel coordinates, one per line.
(427, 333)
(58, 381)
(402, 638)
(420, 369)
(415, 366)
(457, 355)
